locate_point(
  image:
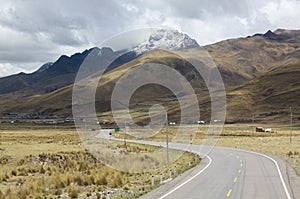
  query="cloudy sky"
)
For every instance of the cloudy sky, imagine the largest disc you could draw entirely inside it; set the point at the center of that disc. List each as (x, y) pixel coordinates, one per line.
(34, 32)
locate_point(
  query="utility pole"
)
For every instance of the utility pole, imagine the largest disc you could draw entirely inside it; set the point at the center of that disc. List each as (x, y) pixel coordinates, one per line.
(291, 125)
(167, 137)
(125, 134)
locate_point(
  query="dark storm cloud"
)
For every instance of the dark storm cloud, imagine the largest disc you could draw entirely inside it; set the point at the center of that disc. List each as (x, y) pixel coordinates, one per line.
(39, 31)
(61, 21)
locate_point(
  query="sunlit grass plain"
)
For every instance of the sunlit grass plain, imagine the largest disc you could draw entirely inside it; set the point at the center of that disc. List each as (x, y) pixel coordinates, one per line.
(49, 161)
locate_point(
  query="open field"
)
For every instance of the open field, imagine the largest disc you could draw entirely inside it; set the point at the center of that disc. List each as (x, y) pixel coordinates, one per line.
(243, 136)
(41, 161)
(48, 160)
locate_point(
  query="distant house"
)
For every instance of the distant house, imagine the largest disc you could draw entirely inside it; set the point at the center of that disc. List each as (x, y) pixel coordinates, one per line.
(217, 121)
(269, 130)
(260, 129)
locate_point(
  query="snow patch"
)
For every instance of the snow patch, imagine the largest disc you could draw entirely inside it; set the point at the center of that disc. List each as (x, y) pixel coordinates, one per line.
(166, 39)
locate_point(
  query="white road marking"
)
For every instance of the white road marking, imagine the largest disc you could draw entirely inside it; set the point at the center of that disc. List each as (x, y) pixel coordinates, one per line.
(277, 167)
(187, 181)
(210, 161)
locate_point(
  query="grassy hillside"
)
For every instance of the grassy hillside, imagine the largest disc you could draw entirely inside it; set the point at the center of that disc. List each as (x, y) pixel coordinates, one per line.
(267, 97)
(261, 74)
(246, 58)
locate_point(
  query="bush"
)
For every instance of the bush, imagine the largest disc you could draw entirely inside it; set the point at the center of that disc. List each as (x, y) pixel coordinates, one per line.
(58, 192)
(98, 195)
(78, 180)
(101, 180)
(14, 172)
(118, 181)
(73, 192)
(1, 195)
(42, 170)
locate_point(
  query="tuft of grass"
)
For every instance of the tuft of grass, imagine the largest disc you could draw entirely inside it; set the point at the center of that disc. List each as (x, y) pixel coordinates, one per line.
(73, 191)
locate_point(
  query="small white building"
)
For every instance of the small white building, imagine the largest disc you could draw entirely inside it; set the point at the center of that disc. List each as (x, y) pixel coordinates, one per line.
(269, 130)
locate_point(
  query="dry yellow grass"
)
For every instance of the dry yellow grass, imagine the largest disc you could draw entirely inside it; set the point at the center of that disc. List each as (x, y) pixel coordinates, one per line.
(29, 157)
(243, 136)
(52, 162)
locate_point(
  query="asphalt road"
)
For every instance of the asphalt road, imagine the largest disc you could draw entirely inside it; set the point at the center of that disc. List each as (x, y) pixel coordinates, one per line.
(235, 174)
(228, 173)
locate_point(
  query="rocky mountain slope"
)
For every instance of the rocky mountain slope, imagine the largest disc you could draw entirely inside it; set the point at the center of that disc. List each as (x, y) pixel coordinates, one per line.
(260, 73)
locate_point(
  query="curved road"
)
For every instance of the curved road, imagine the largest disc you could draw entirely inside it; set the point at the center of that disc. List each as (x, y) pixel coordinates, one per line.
(234, 173)
(229, 173)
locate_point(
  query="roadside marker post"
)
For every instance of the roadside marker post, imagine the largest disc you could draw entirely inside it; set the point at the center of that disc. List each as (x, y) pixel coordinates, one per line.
(174, 169)
(170, 172)
(152, 181)
(160, 178)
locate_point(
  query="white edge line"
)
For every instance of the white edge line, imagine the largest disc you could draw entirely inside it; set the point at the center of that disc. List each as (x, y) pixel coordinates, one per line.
(277, 167)
(187, 181)
(210, 161)
(190, 179)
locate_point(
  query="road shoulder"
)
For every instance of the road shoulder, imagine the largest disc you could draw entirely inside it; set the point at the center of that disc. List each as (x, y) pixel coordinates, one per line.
(294, 181)
(165, 188)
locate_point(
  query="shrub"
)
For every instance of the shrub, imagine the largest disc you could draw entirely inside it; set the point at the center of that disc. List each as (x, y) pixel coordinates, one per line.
(78, 180)
(117, 181)
(1, 195)
(58, 192)
(101, 180)
(73, 192)
(290, 153)
(98, 195)
(14, 172)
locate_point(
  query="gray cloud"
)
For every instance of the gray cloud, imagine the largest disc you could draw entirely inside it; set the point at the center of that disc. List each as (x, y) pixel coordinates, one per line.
(34, 32)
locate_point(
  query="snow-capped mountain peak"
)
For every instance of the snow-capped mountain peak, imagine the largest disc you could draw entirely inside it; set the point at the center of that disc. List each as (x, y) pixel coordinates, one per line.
(166, 39)
(45, 67)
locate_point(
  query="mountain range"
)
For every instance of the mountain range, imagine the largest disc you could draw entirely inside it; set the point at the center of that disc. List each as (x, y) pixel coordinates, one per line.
(261, 75)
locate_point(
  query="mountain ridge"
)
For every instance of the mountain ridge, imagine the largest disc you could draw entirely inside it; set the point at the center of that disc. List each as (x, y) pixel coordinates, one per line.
(240, 61)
